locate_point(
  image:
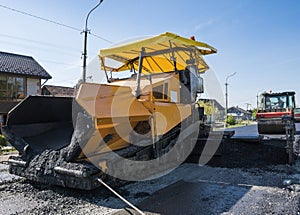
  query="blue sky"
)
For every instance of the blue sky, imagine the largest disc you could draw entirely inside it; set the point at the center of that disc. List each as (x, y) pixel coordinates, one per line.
(259, 40)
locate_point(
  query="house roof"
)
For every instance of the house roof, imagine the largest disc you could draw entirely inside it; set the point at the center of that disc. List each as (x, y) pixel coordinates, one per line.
(60, 91)
(22, 65)
(237, 109)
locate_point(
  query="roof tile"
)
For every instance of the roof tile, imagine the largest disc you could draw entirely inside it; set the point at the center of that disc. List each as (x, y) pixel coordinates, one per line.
(21, 64)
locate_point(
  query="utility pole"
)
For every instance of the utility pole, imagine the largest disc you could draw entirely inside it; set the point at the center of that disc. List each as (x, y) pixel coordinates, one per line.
(257, 98)
(248, 104)
(226, 92)
(86, 31)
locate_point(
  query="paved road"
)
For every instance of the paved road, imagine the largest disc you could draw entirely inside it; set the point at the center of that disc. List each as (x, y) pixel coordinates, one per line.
(253, 184)
(247, 185)
(205, 190)
(251, 130)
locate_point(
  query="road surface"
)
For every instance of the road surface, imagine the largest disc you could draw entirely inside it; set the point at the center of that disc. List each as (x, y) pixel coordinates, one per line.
(247, 179)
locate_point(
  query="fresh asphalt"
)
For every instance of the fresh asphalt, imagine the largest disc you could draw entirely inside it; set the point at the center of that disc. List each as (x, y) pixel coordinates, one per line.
(211, 197)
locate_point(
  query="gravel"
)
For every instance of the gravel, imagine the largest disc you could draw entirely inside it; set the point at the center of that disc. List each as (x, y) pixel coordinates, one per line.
(231, 184)
(5, 177)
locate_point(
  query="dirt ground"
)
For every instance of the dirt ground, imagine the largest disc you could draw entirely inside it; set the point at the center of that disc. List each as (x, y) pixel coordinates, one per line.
(247, 179)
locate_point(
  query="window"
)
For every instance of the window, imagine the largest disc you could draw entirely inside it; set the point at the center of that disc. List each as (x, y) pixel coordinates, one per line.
(166, 90)
(3, 87)
(12, 88)
(161, 92)
(291, 102)
(276, 102)
(158, 92)
(282, 102)
(20, 91)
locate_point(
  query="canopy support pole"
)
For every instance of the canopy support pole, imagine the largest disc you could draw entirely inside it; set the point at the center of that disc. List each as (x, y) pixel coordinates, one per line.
(138, 78)
(102, 61)
(173, 58)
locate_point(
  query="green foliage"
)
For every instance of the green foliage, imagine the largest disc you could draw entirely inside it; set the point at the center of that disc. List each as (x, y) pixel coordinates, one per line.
(254, 111)
(3, 141)
(208, 108)
(230, 120)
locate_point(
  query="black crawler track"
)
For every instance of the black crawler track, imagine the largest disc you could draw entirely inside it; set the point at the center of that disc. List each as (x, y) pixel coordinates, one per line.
(53, 167)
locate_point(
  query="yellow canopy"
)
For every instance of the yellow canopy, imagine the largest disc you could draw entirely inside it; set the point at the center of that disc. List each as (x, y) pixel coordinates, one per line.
(161, 53)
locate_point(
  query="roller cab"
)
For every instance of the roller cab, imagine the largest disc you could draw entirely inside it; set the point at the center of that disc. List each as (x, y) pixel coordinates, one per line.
(275, 106)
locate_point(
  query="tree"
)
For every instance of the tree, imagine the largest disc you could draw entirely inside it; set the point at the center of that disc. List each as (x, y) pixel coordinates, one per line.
(230, 120)
(3, 142)
(209, 110)
(254, 111)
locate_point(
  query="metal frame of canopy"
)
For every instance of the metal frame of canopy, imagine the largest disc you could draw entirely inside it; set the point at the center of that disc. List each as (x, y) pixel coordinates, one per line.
(167, 52)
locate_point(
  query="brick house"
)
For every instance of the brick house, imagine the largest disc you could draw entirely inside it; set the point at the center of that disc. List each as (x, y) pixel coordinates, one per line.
(20, 76)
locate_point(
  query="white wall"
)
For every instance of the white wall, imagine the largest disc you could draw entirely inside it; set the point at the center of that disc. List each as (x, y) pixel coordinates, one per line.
(33, 86)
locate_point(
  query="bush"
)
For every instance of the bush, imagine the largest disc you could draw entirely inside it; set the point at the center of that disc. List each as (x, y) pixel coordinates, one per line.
(3, 141)
(230, 120)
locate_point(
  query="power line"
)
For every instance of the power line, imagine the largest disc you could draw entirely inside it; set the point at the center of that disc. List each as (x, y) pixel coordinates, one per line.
(102, 38)
(38, 48)
(62, 63)
(37, 42)
(38, 17)
(51, 21)
(41, 49)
